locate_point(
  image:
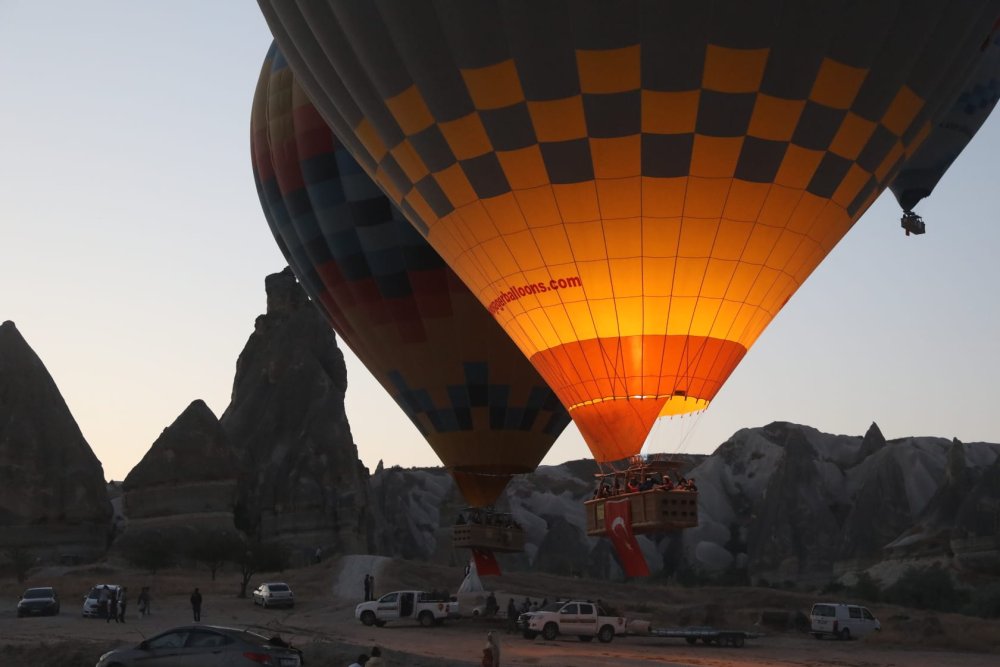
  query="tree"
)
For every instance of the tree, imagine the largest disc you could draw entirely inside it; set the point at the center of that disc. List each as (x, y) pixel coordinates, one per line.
(151, 551)
(259, 556)
(867, 588)
(21, 561)
(926, 588)
(214, 549)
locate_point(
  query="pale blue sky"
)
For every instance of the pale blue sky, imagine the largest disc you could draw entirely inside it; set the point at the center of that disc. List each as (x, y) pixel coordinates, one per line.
(133, 252)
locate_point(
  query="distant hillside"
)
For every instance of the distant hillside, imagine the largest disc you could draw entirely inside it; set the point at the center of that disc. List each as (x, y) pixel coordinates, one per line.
(783, 502)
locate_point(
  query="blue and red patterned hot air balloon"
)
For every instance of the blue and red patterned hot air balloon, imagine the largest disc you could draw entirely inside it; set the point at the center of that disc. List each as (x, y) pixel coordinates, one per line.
(460, 379)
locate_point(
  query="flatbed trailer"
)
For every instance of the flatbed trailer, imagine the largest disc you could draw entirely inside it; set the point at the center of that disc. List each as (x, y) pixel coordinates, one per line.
(706, 635)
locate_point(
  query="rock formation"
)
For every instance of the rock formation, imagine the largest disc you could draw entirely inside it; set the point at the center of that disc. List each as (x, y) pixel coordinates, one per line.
(187, 480)
(782, 502)
(53, 500)
(301, 482)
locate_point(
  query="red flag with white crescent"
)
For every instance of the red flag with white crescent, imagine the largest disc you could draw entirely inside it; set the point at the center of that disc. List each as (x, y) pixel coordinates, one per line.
(486, 562)
(618, 524)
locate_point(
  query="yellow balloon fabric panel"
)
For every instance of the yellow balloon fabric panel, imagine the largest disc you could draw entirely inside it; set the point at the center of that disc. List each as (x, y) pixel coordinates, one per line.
(634, 190)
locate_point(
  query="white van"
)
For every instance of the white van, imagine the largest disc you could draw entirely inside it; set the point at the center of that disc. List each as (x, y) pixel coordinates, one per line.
(843, 621)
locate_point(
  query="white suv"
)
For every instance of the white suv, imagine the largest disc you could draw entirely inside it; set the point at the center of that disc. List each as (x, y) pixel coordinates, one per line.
(274, 595)
(843, 621)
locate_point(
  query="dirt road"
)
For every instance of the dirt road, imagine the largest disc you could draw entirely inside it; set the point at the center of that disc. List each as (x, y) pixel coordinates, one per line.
(324, 625)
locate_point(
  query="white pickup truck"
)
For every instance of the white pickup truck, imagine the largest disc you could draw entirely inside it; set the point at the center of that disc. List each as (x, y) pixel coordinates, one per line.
(400, 605)
(577, 617)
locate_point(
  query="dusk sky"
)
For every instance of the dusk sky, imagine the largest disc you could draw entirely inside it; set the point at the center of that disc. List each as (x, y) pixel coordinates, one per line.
(133, 252)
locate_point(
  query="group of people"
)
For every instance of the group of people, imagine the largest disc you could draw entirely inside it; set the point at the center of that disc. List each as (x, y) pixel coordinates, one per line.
(111, 603)
(652, 482)
(366, 660)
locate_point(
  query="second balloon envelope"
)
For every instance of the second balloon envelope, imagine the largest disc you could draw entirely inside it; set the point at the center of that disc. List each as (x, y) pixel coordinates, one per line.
(462, 382)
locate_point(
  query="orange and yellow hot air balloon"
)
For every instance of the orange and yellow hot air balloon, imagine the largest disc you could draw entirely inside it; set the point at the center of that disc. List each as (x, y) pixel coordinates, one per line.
(634, 189)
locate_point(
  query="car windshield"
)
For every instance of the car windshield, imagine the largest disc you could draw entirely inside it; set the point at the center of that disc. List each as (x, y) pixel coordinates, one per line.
(553, 606)
(278, 587)
(36, 593)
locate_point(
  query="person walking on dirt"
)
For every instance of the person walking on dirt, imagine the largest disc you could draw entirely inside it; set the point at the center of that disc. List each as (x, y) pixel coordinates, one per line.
(511, 616)
(143, 601)
(121, 604)
(491, 652)
(112, 607)
(102, 601)
(368, 588)
(196, 604)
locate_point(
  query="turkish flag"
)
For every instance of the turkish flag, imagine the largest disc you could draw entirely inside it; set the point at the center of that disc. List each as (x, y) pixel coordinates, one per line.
(486, 562)
(618, 524)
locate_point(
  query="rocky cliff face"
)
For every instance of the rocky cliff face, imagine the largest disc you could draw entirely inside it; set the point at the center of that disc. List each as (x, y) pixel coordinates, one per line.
(781, 502)
(187, 479)
(417, 508)
(53, 501)
(301, 482)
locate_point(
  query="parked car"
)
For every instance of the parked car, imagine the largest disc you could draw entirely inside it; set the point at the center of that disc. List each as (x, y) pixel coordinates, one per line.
(38, 602)
(205, 646)
(274, 594)
(843, 621)
(91, 601)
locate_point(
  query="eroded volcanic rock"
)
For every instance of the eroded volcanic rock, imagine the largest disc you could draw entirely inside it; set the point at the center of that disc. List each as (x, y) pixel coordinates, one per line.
(187, 479)
(301, 482)
(53, 499)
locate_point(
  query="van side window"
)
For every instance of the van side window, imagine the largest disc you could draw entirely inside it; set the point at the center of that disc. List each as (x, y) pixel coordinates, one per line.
(855, 612)
(868, 614)
(824, 610)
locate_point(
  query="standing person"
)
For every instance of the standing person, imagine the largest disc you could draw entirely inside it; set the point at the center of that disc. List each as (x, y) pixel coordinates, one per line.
(511, 615)
(143, 600)
(196, 604)
(102, 601)
(368, 588)
(376, 659)
(371, 586)
(491, 652)
(121, 604)
(112, 607)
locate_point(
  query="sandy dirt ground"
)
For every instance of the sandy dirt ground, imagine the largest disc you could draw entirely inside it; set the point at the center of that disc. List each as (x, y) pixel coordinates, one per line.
(323, 624)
